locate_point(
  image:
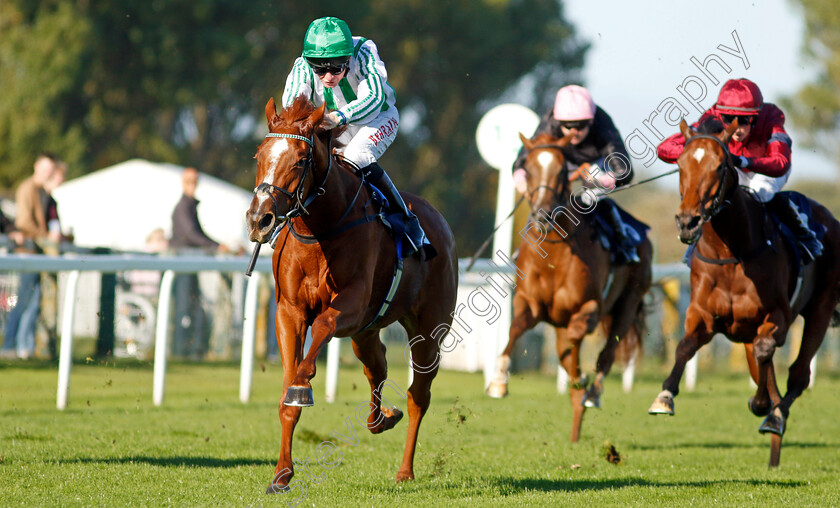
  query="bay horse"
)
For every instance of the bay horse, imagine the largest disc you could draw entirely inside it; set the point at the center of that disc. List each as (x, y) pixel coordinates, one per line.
(333, 270)
(567, 281)
(744, 279)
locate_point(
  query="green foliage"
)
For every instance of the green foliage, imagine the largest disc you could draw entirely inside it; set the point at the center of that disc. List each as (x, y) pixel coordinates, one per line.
(186, 82)
(815, 108)
(112, 447)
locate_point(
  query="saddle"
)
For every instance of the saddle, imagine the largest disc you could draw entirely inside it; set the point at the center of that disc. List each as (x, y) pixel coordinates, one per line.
(803, 204)
(635, 230)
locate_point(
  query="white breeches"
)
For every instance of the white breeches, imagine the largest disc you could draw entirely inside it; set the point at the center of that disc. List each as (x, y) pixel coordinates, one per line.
(365, 144)
(764, 187)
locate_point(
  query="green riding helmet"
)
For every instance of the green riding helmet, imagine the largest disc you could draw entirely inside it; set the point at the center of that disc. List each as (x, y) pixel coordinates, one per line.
(327, 39)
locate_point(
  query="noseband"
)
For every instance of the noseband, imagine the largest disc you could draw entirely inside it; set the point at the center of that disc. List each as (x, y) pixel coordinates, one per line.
(718, 202)
(301, 201)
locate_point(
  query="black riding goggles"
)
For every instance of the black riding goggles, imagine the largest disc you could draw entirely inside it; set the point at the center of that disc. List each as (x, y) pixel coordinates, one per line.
(742, 119)
(322, 70)
(578, 125)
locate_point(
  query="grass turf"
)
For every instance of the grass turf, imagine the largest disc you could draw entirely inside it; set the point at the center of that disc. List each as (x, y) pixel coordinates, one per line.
(113, 447)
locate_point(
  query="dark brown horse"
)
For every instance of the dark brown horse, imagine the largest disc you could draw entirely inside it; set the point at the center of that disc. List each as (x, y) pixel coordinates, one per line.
(567, 280)
(334, 268)
(744, 280)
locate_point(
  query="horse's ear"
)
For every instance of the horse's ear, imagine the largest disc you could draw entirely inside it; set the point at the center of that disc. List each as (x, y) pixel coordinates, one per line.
(527, 143)
(270, 110)
(565, 140)
(729, 131)
(315, 118)
(686, 130)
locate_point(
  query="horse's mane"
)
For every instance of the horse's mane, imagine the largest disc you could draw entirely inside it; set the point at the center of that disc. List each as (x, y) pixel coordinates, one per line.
(299, 112)
(710, 125)
(544, 138)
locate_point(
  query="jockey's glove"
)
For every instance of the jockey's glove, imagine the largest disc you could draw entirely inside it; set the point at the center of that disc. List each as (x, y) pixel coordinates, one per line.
(740, 161)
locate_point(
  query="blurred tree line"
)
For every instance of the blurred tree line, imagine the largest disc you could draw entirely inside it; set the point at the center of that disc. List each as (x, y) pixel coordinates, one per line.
(186, 81)
(815, 108)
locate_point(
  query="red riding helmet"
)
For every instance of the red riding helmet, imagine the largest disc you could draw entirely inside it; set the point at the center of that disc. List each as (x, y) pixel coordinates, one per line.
(739, 97)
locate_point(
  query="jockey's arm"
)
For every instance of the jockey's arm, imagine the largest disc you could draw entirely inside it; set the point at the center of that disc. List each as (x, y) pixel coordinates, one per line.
(776, 159)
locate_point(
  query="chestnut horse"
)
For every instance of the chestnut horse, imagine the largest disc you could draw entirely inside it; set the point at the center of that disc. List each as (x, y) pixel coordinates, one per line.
(333, 269)
(567, 281)
(744, 280)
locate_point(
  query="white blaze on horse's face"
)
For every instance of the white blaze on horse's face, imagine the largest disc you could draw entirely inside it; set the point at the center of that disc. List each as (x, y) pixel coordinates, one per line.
(698, 154)
(279, 147)
(544, 159)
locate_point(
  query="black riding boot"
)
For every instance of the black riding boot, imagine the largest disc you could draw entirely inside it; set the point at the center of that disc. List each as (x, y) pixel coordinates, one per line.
(623, 243)
(788, 213)
(413, 231)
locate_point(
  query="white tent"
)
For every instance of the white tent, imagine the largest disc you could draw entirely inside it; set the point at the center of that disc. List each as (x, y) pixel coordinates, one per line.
(119, 206)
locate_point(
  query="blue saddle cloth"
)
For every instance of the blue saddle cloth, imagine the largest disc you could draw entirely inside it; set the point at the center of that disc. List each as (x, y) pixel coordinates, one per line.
(635, 230)
(803, 204)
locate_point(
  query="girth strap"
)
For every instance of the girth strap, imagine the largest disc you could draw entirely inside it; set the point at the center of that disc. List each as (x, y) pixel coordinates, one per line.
(386, 304)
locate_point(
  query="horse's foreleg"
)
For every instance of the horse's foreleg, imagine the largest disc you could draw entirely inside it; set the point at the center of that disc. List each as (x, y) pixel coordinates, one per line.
(291, 333)
(568, 348)
(371, 352)
(322, 330)
(697, 337)
(523, 320)
(769, 336)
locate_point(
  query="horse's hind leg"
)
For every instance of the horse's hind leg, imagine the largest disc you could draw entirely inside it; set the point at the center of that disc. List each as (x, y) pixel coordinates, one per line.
(817, 320)
(371, 352)
(523, 320)
(425, 358)
(618, 328)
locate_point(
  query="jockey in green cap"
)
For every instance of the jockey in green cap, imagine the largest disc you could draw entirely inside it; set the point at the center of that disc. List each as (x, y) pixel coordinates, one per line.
(346, 73)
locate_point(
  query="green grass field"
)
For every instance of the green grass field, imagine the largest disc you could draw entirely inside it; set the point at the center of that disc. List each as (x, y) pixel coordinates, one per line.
(112, 447)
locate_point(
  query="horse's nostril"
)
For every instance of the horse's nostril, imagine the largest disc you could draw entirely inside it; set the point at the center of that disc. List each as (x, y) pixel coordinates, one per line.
(266, 221)
(693, 223)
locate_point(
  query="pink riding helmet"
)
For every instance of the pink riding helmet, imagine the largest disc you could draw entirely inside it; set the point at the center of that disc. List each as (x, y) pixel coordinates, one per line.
(573, 102)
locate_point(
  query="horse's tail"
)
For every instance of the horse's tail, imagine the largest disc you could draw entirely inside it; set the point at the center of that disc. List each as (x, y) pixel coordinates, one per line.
(835, 317)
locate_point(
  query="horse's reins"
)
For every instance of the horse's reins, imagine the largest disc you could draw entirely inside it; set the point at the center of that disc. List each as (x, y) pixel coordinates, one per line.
(718, 203)
(297, 194)
(519, 202)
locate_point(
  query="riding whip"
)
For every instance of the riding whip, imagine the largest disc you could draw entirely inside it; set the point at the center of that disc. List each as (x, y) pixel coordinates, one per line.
(254, 256)
(487, 242)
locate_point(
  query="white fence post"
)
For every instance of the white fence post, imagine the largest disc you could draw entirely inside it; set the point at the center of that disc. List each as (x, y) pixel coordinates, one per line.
(161, 336)
(331, 381)
(65, 355)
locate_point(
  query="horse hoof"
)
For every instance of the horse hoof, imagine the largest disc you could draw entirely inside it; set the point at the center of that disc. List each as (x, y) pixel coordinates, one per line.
(497, 390)
(401, 477)
(757, 410)
(774, 423)
(592, 398)
(663, 405)
(391, 420)
(276, 488)
(300, 396)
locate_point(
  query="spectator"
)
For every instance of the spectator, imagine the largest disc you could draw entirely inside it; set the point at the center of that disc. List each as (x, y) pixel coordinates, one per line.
(189, 337)
(31, 199)
(7, 228)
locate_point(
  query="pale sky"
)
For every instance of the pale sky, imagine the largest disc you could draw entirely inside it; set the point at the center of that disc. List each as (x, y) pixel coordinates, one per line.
(641, 52)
